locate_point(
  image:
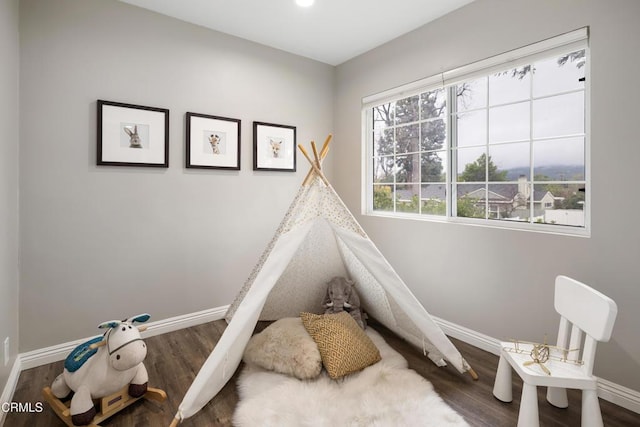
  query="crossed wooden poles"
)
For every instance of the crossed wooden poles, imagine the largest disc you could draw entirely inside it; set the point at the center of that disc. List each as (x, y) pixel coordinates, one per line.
(316, 164)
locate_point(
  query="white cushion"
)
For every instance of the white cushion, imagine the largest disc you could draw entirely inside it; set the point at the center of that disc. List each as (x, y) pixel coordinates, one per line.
(285, 347)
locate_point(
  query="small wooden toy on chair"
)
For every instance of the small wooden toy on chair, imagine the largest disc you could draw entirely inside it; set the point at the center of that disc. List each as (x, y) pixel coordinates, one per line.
(108, 368)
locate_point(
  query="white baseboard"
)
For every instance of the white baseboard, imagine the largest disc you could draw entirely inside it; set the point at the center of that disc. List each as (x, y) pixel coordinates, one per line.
(185, 321)
(58, 352)
(619, 395)
(607, 390)
(10, 386)
(469, 336)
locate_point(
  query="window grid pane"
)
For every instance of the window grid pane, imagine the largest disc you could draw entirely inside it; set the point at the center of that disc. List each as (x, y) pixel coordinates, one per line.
(516, 147)
(409, 148)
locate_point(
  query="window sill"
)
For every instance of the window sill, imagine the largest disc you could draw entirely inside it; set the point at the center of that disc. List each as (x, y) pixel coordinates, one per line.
(495, 224)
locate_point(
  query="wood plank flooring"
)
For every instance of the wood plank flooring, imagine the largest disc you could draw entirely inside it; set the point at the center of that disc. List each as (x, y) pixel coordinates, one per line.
(174, 359)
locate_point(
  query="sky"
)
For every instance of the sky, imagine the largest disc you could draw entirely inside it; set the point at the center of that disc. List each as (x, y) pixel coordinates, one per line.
(556, 114)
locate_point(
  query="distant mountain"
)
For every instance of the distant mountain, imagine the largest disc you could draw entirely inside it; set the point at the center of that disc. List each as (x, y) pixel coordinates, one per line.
(554, 173)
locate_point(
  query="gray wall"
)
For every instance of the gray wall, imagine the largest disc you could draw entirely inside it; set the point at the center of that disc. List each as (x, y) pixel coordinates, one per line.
(107, 242)
(9, 59)
(500, 282)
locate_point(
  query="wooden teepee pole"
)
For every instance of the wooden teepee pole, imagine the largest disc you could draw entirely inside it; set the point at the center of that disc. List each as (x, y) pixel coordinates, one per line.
(473, 374)
(315, 153)
(315, 168)
(323, 154)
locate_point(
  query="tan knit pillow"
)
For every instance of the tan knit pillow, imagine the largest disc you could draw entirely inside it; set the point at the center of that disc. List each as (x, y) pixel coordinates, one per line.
(343, 345)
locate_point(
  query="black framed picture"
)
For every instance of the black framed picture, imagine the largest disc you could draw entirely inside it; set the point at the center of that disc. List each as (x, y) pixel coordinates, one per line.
(132, 135)
(212, 142)
(274, 147)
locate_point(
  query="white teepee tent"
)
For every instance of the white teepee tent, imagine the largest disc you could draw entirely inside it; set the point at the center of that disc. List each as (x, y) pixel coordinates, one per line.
(318, 239)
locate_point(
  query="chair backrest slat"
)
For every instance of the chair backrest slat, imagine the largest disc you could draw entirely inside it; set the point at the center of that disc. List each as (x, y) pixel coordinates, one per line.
(576, 338)
(563, 333)
(586, 308)
(589, 355)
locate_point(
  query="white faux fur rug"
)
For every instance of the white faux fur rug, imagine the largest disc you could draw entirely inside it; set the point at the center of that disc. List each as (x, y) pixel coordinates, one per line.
(384, 394)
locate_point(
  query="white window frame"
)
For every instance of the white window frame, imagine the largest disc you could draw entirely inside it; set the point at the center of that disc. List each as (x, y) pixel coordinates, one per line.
(562, 44)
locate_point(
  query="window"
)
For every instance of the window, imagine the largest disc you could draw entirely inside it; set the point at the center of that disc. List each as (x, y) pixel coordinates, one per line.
(502, 142)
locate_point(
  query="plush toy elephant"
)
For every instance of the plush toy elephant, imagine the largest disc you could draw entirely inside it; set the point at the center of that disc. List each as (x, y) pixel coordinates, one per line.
(342, 296)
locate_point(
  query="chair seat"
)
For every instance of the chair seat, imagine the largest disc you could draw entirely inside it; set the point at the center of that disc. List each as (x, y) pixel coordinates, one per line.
(567, 374)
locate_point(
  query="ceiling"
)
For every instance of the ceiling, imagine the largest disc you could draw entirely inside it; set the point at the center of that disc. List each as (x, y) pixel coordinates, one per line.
(330, 31)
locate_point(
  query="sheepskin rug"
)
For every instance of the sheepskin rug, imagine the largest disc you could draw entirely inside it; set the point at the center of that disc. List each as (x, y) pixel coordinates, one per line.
(384, 394)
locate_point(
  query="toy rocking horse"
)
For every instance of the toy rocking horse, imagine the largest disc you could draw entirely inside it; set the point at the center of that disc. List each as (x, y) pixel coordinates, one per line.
(109, 368)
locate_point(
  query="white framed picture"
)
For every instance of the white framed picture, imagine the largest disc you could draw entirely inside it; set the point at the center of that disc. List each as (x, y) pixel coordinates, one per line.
(274, 147)
(132, 135)
(212, 142)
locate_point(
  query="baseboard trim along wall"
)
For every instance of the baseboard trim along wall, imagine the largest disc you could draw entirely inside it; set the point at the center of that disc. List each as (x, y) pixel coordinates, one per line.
(10, 387)
(469, 336)
(619, 395)
(58, 352)
(607, 390)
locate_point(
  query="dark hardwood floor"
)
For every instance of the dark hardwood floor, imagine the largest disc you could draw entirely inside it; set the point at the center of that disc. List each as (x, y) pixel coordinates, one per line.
(174, 359)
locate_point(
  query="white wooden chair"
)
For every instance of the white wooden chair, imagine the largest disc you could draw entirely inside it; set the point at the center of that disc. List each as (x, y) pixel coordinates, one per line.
(582, 309)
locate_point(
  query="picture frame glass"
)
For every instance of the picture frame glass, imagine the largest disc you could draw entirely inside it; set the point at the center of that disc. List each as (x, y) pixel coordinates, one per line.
(213, 142)
(132, 136)
(274, 147)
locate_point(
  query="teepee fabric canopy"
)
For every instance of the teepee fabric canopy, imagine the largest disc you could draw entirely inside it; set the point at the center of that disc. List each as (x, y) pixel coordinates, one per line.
(318, 239)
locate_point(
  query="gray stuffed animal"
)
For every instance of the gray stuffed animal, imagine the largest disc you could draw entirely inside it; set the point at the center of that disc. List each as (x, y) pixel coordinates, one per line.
(341, 296)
